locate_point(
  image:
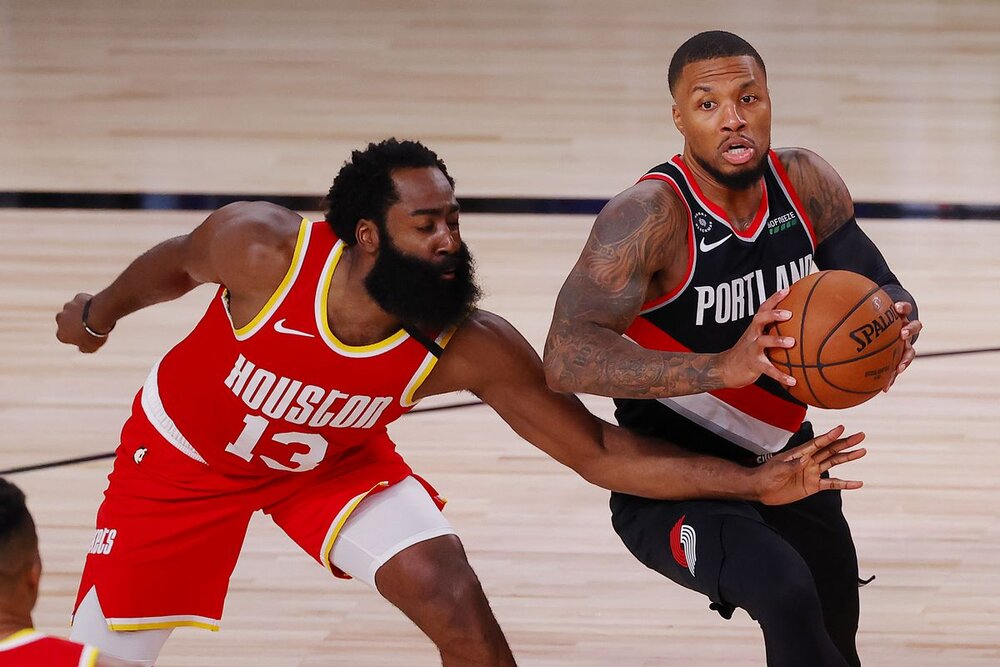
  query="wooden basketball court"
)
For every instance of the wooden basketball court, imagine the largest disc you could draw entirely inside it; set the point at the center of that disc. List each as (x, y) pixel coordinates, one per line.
(544, 99)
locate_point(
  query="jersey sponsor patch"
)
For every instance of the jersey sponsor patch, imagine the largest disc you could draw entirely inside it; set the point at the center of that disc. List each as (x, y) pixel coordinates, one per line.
(682, 544)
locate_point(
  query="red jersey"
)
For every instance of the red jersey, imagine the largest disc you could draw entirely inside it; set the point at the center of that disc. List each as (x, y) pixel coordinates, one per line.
(30, 648)
(282, 394)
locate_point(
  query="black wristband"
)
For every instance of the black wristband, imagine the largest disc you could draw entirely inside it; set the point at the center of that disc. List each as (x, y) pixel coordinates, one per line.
(86, 327)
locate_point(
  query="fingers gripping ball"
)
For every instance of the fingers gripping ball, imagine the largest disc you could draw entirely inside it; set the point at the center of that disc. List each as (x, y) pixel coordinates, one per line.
(847, 342)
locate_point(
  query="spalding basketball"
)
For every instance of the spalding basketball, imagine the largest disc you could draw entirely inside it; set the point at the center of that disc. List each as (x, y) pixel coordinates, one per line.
(847, 343)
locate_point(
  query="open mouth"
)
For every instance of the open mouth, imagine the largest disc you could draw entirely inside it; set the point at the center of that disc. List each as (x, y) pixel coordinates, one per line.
(738, 153)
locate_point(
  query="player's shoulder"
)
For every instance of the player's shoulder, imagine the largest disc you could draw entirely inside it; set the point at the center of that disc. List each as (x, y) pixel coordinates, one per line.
(257, 221)
(483, 347)
(826, 197)
(648, 202)
(483, 330)
(246, 246)
(804, 166)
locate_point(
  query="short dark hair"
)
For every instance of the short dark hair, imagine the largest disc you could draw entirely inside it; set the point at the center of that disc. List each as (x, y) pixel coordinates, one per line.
(18, 539)
(706, 46)
(364, 189)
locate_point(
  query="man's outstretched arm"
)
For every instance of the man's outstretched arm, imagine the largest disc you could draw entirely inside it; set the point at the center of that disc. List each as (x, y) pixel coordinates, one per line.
(490, 358)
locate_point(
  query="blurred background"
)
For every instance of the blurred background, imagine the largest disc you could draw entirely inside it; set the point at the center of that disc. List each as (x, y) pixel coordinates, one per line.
(556, 106)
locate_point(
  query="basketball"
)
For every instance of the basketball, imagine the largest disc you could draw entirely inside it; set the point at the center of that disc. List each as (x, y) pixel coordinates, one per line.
(847, 343)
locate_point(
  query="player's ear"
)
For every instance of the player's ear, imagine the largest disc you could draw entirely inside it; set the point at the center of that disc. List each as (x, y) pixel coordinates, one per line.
(35, 575)
(676, 115)
(367, 235)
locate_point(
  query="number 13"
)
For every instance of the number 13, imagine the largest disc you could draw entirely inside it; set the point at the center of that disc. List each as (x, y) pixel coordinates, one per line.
(303, 461)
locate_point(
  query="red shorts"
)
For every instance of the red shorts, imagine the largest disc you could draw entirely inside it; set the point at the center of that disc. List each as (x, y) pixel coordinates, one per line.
(170, 528)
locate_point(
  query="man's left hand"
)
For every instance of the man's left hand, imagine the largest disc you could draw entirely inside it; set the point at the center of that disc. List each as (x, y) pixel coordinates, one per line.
(796, 474)
(909, 332)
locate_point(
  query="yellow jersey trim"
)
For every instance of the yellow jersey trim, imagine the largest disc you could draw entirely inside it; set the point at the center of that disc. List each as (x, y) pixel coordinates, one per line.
(279, 293)
(430, 361)
(323, 320)
(338, 524)
(162, 625)
(19, 635)
(89, 657)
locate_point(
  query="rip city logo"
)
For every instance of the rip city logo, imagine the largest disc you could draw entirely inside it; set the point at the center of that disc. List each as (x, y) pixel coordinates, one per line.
(682, 545)
(702, 222)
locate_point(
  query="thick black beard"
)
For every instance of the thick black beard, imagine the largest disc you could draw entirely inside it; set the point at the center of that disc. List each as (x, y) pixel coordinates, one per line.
(741, 180)
(413, 290)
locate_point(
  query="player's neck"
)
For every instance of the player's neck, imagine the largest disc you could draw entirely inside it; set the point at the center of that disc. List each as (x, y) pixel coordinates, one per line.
(13, 622)
(354, 316)
(740, 205)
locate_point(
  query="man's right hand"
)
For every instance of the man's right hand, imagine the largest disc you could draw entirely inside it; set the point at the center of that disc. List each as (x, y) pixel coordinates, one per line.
(70, 329)
(745, 361)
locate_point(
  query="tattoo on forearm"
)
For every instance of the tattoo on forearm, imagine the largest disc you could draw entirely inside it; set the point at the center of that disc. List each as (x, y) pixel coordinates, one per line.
(632, 239)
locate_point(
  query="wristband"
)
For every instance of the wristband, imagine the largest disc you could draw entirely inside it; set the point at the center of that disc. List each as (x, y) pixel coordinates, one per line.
(86, 327)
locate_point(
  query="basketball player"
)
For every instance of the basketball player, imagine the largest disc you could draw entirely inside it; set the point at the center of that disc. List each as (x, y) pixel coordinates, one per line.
(278, 400)
(20, 571)
(671, 276)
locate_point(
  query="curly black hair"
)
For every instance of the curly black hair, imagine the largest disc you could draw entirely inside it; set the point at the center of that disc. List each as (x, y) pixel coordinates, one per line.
(364, 189)
(707, 46)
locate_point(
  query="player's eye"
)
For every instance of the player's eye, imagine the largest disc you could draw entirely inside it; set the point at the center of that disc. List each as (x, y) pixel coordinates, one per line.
(747, 99)
(707, 105)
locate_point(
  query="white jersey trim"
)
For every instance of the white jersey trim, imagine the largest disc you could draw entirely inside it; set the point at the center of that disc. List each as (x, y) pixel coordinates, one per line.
(727, 422)
(157, 415)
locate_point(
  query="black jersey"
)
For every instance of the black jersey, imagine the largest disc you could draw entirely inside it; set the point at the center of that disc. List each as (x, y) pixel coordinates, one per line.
(730, 273)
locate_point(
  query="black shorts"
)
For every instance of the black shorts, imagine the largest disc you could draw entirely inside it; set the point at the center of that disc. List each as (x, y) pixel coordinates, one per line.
(682, 540)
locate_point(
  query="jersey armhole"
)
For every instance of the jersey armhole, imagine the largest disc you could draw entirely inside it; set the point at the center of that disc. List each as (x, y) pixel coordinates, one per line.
(672, 294)
(280, 292)
(425, 368)
(793, 197)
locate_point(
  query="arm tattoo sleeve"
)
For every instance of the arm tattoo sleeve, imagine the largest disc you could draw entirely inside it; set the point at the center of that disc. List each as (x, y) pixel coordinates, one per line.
(603, 294)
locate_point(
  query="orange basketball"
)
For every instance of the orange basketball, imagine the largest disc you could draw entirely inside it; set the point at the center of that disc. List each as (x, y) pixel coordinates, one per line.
(847, 343)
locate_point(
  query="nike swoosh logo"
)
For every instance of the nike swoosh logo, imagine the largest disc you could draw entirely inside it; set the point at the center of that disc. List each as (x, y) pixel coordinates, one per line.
(705, 247)
(280, 327)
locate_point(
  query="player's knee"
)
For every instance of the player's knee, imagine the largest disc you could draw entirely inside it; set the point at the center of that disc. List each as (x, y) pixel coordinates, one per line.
(452, 585)
(437, 574)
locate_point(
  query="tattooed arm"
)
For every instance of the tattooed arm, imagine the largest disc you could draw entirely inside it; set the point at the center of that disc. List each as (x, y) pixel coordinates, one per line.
(827, 201)
(637, 251)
